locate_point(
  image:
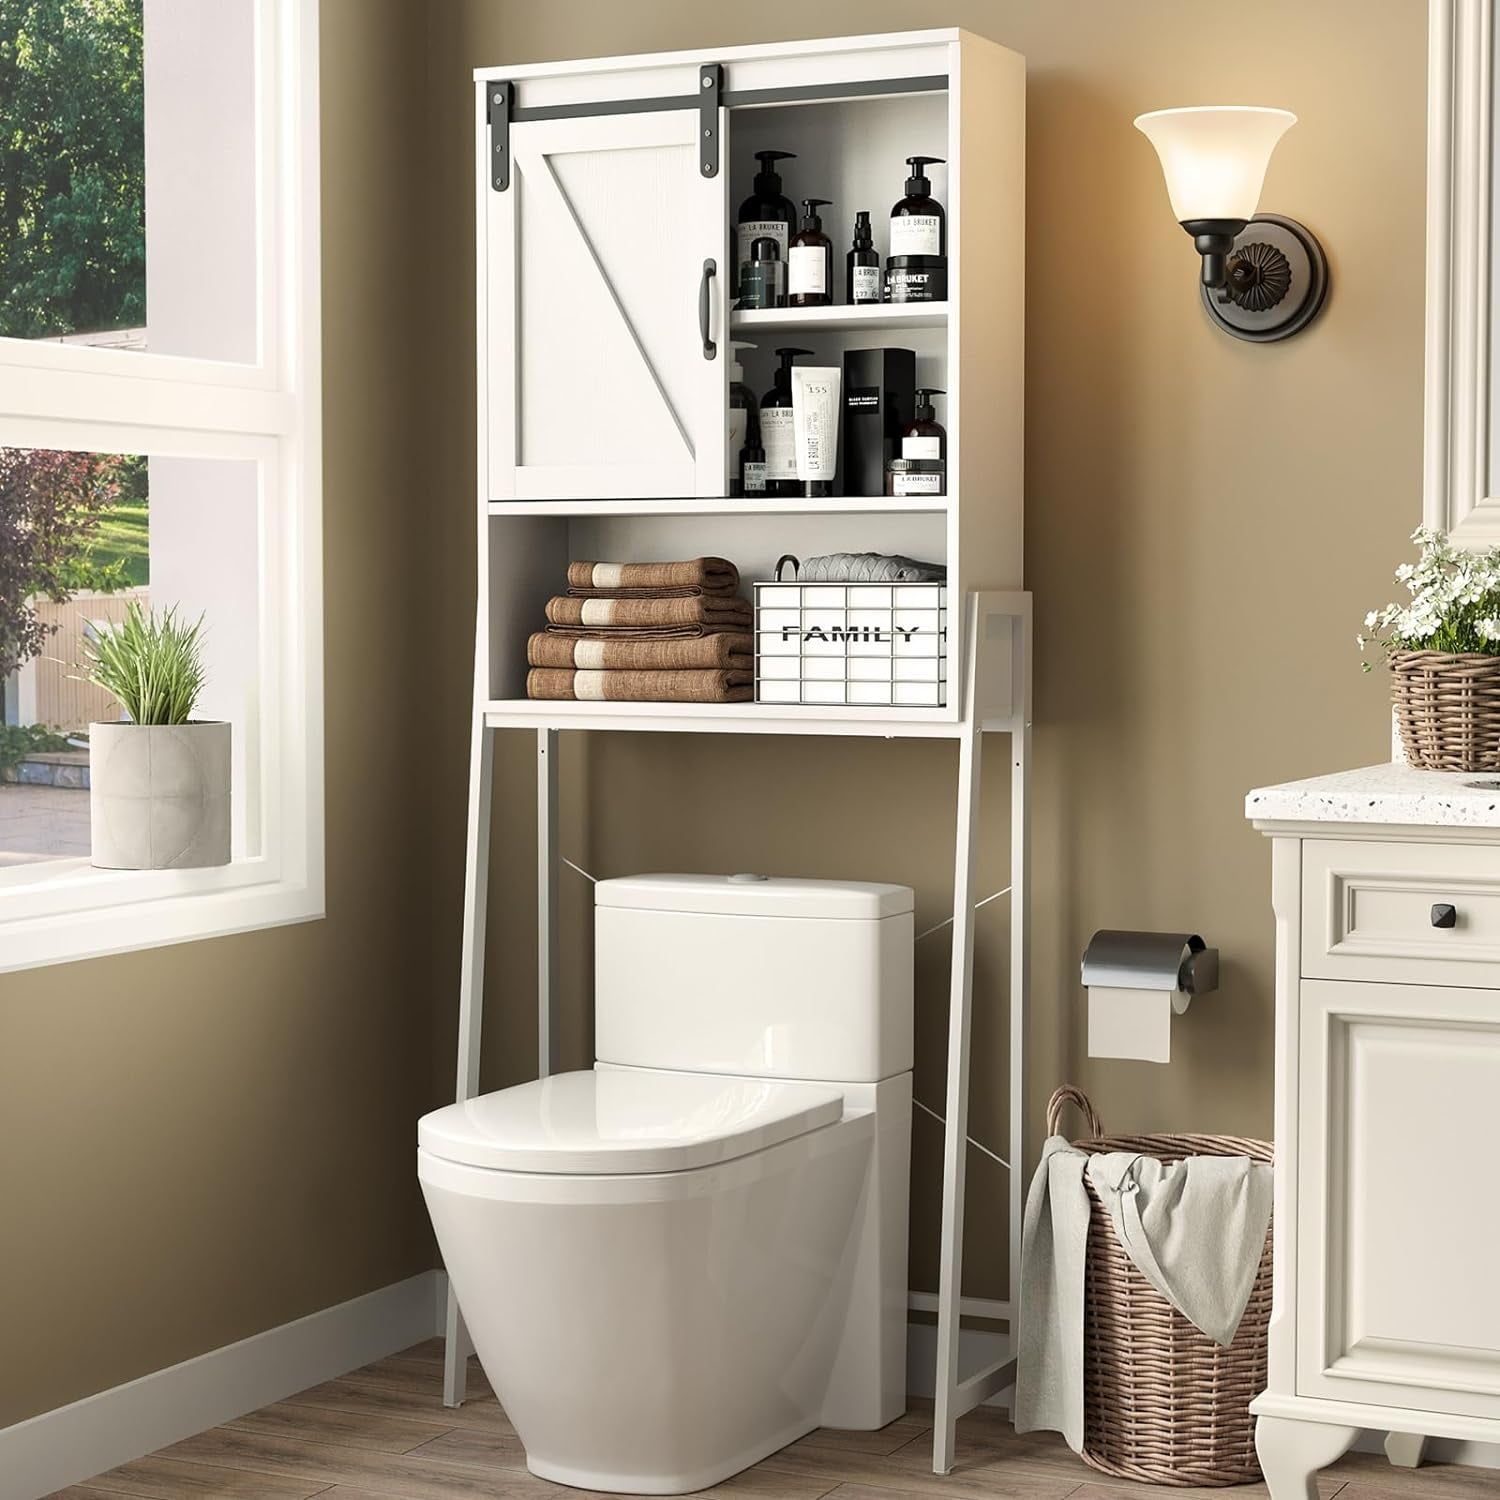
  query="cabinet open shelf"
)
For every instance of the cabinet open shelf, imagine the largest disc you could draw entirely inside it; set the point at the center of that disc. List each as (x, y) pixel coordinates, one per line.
(730, 505)
(726, 718)
(873, 317)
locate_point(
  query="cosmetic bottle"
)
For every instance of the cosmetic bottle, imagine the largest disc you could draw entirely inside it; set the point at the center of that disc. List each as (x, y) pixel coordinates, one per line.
(776, 433)
(862, 275)
(753, 466)
(924, 436)
(743, 417)
(763, 276)
(918, 225)
(809, 276)
(766, 211)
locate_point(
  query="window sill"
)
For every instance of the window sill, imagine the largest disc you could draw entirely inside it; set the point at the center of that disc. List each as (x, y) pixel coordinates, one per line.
(68, 910)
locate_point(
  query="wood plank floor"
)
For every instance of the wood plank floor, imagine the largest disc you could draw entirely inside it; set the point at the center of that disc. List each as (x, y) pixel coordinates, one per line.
(383, 1432)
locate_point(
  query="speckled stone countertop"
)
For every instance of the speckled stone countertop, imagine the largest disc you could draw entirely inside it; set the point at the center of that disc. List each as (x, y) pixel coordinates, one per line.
(1383, 794)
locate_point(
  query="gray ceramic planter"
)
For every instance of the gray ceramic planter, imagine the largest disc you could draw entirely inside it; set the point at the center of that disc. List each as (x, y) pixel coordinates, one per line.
(159, 795)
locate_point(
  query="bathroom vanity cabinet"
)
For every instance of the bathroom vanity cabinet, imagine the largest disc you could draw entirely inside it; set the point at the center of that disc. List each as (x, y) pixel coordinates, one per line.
(1386, 888)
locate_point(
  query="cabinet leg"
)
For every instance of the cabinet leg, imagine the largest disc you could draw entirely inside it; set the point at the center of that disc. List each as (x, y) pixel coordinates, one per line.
(1291, 1454)
(1405, 1449)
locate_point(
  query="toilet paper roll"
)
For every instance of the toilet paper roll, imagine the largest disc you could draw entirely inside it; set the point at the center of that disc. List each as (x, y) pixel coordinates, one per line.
(1131, 1023)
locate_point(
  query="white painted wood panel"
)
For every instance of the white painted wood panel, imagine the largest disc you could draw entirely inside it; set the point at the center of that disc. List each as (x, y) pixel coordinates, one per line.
(1367, 911)
(1396, 1292)
(598, 383)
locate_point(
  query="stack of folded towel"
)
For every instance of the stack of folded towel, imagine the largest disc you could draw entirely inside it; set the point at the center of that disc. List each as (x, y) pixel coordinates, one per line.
(661, 632)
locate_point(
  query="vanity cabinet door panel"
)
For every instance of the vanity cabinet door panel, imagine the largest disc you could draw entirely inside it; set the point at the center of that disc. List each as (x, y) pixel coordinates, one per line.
(598, 385)
(1398, 1297)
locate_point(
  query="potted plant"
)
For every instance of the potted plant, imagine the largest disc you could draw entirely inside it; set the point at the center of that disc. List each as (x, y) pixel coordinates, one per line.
(1443, 649)
(159, 784)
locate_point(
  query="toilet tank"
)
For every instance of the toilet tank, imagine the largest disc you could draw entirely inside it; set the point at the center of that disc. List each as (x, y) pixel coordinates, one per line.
(754, 975)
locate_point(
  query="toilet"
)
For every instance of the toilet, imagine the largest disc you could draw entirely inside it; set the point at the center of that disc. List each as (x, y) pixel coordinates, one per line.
(683, 1259)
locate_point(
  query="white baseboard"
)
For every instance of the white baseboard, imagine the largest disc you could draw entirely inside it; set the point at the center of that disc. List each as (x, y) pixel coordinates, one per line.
(977, 1347)
(73, 1443)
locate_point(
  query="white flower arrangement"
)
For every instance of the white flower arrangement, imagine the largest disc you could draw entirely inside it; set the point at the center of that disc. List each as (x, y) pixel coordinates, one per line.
(1455, 602)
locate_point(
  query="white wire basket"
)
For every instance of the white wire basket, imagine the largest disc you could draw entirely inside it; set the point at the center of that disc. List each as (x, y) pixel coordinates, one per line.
(876, 644)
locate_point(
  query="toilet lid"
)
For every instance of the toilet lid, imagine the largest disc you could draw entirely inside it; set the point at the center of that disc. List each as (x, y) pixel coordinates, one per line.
(613, 1121)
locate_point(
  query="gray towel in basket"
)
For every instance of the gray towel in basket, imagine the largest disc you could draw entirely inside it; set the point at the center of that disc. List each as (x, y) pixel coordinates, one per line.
(1194, 1229)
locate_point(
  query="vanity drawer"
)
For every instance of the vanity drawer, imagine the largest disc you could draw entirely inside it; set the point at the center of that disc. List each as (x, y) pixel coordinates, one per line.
(1375, 911)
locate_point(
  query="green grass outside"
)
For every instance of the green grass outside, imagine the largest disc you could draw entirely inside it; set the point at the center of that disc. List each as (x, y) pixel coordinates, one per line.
(124, 532)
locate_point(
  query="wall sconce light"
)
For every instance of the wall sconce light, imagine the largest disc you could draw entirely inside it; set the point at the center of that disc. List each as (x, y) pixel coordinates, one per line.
(1264, 276)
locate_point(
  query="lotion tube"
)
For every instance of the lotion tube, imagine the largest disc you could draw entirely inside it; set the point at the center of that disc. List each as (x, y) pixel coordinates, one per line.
(815, 426)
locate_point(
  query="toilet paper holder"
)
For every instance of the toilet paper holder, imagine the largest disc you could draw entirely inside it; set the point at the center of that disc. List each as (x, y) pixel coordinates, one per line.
(1137, 981)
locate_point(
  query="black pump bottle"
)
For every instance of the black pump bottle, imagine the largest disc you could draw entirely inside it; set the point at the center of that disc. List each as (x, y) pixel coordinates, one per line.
(918, 223)
(766, 211)
(776, 428)
(809, 276)
(862, 272)
(924, 436)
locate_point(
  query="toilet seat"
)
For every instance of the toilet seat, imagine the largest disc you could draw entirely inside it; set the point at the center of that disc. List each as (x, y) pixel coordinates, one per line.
(621, 1121)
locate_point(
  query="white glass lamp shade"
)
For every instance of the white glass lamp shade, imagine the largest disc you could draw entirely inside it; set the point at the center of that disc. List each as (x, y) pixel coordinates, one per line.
(1215, 157)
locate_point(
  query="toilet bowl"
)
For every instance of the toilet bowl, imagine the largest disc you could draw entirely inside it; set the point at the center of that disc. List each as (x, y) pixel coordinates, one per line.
(669, 1272)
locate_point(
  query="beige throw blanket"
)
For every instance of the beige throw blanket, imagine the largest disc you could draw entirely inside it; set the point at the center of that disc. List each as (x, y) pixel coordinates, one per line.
(652, 580)
(698, 615)
(705, 686)
(618, 653)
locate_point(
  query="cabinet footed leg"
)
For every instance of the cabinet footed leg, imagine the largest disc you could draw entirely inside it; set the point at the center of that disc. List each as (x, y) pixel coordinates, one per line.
(1291, 1454)
(1405, 1449)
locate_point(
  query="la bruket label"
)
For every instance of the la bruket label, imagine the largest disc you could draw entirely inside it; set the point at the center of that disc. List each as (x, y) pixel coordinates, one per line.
(863, 398)
(867, 634)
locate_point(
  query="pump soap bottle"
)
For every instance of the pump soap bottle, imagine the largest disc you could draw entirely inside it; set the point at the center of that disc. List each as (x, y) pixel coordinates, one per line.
(776, 429)
(809, 277)
(765, 212)
(744, 422)
(924, 436)
(916, 268)
(862, 274)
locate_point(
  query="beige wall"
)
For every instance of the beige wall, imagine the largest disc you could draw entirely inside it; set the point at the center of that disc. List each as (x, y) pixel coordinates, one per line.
(1206, 523)
(201, 1142)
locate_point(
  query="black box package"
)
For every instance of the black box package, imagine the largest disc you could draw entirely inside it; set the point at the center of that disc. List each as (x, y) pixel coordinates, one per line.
(879, 400)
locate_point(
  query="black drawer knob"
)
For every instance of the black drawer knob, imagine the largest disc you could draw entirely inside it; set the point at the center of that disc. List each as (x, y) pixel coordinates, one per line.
(1444, 915)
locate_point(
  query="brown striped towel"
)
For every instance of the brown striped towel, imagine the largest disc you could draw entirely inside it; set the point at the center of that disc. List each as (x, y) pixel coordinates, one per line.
(616, 653)
(652, 580)
(723, 686)
(611, 617)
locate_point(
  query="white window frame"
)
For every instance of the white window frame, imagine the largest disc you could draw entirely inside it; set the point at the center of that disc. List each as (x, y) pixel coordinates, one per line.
(105, 400)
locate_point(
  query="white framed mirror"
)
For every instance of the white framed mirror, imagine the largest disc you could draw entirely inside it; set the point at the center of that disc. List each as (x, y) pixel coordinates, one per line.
(1461, 481)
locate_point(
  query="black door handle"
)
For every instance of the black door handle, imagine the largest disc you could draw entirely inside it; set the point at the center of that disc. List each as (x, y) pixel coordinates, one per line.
(1444, 915)
(710, 349)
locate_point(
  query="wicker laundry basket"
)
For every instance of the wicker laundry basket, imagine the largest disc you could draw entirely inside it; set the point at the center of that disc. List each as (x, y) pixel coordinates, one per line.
(1163, 1403)
(1448, 709)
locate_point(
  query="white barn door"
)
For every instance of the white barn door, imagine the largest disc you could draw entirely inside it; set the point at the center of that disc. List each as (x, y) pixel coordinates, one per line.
(599, 383)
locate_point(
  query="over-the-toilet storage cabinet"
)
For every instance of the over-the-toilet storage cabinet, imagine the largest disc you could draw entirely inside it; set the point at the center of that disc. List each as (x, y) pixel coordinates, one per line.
(608, 189)
(1387, 1308)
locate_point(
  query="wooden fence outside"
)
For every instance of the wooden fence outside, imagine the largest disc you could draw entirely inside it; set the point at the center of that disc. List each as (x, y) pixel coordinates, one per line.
(56, 697)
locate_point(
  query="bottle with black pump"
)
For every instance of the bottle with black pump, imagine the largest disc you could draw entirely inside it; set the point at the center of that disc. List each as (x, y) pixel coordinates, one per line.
(766, 212)
(809, 276)
(924, 436)
(776, 435)
(862, 273)
(918, 224)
